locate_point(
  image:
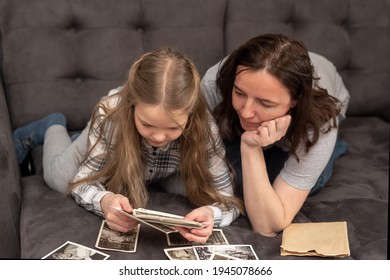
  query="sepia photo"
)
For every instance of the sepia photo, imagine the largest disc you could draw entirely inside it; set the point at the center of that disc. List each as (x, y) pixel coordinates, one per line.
(73, 251)
(152, 218)
(243, 252)
(181, 253)
(109, 239)
(221, 257)
(216, 238)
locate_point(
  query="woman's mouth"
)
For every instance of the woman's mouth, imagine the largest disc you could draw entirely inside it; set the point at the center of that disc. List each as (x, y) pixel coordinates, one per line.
(248, 125)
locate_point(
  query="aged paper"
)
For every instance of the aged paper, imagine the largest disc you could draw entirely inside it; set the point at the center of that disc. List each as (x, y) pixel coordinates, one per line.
(326, 239)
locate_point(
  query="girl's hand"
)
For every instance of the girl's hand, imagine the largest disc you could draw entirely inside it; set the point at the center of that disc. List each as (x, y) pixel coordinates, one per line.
(115, 219)
(201, 214)
(267, 133)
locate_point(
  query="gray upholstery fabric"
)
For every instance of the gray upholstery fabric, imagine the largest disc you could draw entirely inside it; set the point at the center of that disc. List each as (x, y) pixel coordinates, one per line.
(82, 49)
(63, 55)
(10, 192)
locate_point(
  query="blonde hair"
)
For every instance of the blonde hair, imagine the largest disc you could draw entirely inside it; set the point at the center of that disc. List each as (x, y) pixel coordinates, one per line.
(166, 78)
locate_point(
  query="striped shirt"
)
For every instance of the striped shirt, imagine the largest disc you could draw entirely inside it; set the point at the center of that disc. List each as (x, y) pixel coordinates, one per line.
(159, 163)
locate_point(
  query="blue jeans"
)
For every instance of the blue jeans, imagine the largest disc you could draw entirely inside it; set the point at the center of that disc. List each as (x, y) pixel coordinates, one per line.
(275, 158)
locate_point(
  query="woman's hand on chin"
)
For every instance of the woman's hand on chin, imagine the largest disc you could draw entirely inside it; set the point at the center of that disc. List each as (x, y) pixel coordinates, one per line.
(267, 133)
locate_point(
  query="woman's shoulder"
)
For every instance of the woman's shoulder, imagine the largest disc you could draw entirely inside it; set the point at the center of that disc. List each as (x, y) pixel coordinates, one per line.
(209, 85)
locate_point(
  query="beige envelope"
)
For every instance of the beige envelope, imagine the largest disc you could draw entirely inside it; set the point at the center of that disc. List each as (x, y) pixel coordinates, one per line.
(327, 239)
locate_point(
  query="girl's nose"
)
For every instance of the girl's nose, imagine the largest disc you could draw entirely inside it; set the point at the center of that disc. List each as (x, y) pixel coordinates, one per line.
(159, 136)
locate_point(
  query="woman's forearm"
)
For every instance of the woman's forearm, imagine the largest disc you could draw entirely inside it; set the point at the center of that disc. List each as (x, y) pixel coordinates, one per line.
(263, 206)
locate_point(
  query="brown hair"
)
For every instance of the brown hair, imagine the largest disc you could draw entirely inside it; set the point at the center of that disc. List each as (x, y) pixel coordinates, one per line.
(163, 77)
(287, 59)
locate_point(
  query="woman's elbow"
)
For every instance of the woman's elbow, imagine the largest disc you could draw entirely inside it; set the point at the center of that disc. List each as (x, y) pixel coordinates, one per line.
(265, 233)
(269, 231)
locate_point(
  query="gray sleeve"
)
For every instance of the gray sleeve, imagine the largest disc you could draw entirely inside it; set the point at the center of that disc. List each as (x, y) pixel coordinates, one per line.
(331, 80)
(225, 215)
(209, 86)
(304, 174)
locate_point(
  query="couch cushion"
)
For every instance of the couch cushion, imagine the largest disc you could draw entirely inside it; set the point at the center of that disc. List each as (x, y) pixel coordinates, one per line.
(10, 192)
(48, 220)
(363, 172)
(367, 230)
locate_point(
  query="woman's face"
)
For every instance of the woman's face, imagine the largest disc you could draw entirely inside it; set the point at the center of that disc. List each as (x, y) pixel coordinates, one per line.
(258, 96)
(158, 126)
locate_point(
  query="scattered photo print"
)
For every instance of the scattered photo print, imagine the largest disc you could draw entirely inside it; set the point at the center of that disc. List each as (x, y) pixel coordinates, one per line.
(109, 239)
(221, 257)
(216, 238)
(73, 251)
(181, 253)
(242, 252)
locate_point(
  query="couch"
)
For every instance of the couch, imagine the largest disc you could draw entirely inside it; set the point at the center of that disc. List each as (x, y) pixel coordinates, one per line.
(64, 55)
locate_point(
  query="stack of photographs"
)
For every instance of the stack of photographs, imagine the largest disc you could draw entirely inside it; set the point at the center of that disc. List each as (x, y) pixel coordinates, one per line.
(161, 221)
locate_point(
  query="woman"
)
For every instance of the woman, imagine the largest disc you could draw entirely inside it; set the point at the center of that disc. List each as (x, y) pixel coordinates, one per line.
(279, 124)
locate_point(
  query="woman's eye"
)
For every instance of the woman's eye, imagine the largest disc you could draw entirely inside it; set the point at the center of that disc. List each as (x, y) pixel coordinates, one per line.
(239, 93)
(264, 104)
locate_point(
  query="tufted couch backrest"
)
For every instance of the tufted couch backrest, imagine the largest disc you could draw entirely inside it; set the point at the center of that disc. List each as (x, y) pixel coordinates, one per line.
(63, 55)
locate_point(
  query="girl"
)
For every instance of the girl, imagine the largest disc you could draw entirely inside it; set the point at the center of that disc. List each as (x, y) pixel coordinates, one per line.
(278, 124)
(155, 125)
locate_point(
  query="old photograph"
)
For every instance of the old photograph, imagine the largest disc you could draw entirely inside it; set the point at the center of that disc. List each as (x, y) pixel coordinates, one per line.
(243, 252)
(181, 253)
(109, 239)
(222, 257)
(216, 238)
(74, 251)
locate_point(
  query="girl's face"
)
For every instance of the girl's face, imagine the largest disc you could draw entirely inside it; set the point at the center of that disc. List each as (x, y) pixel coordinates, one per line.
(258, 96)
(158, 126)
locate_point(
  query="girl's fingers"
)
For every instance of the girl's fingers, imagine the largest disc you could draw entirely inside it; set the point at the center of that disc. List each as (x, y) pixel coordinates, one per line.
(191, 236)
(119, 221)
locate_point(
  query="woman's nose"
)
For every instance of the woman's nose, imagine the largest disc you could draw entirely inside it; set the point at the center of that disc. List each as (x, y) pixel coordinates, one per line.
(247, 110)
